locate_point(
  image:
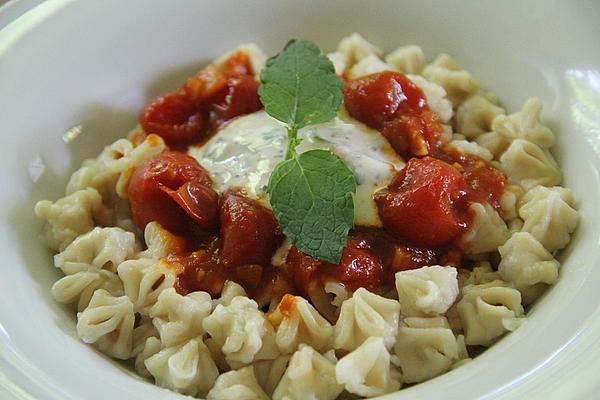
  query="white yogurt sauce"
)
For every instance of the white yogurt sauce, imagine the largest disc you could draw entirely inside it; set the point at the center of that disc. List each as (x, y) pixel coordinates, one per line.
(245, 151)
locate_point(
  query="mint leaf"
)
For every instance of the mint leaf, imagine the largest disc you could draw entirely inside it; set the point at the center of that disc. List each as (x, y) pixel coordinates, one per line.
(311, 196)
(299, 86)
(312, 193)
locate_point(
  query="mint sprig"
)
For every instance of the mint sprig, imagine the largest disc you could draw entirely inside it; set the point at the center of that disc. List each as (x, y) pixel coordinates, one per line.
(311, 193)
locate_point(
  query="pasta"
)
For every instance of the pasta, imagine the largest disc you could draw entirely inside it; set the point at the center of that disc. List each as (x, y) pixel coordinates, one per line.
(489, 310)
(108, 323)
(367, 370)
(240, 384)
(366, 315)
(458, 83)
(309, 375)
(100, 248)
(475, 116)
(525, 124)
(144, 280)
(179, 318)
(296, 322)
(426, 348)
(69, 217)
(526, 263)
(427, 291)
(241, 331)
(145, 232)
(548, 215)
(367, 66)
(187, 368)
(529, 165)
(407, 59)
(355, 48)
(79, 287)
(488, 230)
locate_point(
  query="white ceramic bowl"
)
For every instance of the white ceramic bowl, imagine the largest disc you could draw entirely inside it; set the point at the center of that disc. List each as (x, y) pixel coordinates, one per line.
(94, 63)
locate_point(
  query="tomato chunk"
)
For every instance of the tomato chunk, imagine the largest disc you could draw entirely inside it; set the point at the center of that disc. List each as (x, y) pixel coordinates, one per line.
(238, 96)
(378, 98)
(175, 118)
(413, 134)
(198, 200)
(419, 203)
(151, 189)
(216, 94)
(358, 267)
(249, 231)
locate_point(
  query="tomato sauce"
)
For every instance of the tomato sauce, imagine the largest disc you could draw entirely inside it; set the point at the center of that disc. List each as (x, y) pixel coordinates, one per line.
(205, 102)
(424, 210)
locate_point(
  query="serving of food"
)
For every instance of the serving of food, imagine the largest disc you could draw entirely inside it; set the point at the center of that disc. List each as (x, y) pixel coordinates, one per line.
(312, 226)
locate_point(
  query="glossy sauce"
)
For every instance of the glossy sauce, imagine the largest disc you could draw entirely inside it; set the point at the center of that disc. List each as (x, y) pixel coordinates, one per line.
(423, 206)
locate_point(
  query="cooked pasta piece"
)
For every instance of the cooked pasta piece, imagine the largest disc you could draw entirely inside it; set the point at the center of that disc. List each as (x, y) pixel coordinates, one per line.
(160, 242)
(475, 116)
(436, 97)
(144, 280)
(179, 318)
(364, 315)
(509, 202)
(269, 372)
(367, 66)
(527, 264)
(494, 142)
(144, 329)
(309, 375)
(525, 124)
(407, 59)
(242, 332)
(426, 291)
(355, 48)
(339, 61)
(488, 311)
(367, 370)
(487, 230)
(187, 368)
(549, 216)
(482, 273)
(458, 83)
(466, 147)
(426, 348)
(107, 322)
(79, 287)
(230, 290)
(296, 321)
(100, 248)
(240, 384)
(529, 165)
(150, 347)
(109, 174)
(69, 217)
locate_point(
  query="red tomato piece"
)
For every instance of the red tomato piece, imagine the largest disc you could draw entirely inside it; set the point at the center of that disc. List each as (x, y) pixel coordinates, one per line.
(148, 196)
(302, 267)
(413, 134)
(379, 97)
(239, 96)
(205, 84)
(249, 231)
(419, 203)
(358, 267)
(199, 201)
(175, 118)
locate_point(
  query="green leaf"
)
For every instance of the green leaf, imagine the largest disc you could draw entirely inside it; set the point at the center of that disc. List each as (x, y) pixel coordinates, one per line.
(299, 86)
(311, 196)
